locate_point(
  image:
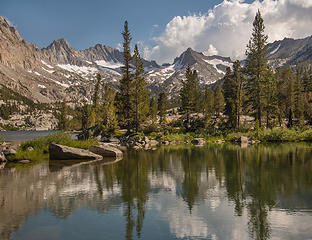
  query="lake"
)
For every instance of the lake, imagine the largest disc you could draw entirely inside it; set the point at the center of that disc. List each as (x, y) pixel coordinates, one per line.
(176, 192)
(17, 136)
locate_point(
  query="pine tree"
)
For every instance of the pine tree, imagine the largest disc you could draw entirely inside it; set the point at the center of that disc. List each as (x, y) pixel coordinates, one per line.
(256, 67)
(153, 110)
(270, 101)
(209, 109)
(286, 97)
(124, 98)
(140, 91)
(299, 98)
(63, 121)
(84, 115)
(95, 111)
(96, 95)
(219, 101)
(109, 123)
(162, 107)
(190, 94)
(307, 81)
(229, 97)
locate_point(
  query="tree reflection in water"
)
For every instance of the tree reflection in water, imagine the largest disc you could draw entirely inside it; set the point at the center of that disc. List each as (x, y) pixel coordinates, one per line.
(256, 180)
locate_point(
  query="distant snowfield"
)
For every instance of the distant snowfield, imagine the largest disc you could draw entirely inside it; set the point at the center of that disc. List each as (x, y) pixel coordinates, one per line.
(49, 71)
(215, 62)
(105, 64)
(49, 66)
(78, 69)
(61, 84)
(160, 75)
(276, 49)
(41, 86)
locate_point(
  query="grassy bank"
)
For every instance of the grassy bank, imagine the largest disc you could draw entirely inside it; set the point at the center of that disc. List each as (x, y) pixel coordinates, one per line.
(276, 135)
(41, 146)
(263, 135)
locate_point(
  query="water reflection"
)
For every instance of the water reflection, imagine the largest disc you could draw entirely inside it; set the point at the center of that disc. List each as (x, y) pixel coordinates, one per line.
(215, 192)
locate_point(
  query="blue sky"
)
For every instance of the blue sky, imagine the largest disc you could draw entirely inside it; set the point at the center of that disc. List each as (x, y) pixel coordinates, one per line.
(163, 28)
(85, 23)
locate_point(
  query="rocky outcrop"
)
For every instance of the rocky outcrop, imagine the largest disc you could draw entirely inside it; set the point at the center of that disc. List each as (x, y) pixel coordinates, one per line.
(2, 157)
(60, 152)
(106, 151)
(198, 141)
(37, 121)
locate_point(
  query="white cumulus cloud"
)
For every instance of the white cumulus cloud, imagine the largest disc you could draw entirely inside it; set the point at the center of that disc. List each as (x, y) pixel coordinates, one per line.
(226, 29)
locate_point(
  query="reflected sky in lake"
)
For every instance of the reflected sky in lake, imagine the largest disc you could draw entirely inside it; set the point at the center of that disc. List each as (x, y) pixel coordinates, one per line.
(176, 192)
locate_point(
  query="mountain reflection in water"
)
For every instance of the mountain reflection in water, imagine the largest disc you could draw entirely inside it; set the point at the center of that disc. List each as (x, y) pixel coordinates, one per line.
(213, 192)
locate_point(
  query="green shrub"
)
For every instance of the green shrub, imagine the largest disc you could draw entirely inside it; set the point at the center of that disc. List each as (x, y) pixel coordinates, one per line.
(236, 135)
(58, 138)
(279, 135)
(35, 156)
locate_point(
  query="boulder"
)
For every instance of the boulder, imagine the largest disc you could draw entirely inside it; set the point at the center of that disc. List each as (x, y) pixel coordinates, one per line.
(145, 139)
(243, 139)
(198, 141)
(113, 140)
(29, 149)
(165, 142)
(9, 152)
(24, 161)
(122, 148)
(60, 152)
(153, 143)
(106, 151)
(2, 157)
(136, 148)
(2, 165)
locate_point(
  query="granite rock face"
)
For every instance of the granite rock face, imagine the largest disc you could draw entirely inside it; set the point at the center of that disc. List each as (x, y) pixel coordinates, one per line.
(106, 151)
(60, 152)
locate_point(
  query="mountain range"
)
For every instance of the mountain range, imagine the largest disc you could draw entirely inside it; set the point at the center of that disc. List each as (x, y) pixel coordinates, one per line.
(60, 72)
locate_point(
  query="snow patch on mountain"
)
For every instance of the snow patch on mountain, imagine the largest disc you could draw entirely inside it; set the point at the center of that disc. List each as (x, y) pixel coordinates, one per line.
(113, 65)
(160, 75)
(216, 62)
(276, 49)
(61, 84)
(78, 69)
(49, 66)
(110, 71)
(49, 71)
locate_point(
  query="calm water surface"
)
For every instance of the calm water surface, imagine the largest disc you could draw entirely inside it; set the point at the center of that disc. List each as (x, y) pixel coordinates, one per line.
(183, 192)
(24, 135)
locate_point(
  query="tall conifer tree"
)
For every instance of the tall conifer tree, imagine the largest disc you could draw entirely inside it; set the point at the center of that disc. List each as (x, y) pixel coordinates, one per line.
(124, 98)
(153, 109)
(140, 91)
(109, 119)
(162, 107)
(209, 108)
(219, 101)
(190, 93)
(256, 67)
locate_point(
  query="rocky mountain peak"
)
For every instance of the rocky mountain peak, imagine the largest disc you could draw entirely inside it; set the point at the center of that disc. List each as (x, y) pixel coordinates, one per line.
(60, 44)
(187, 58)
(4, 22)
(290, 51)
(61, 52)
(8, 30)
(102, 52)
